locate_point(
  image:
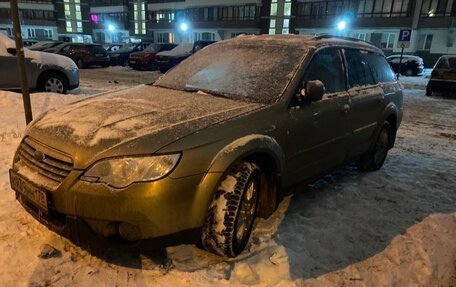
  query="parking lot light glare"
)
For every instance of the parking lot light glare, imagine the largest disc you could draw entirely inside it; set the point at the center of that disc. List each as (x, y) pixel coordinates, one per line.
(341, 25)
(184, 27)
(111, 27)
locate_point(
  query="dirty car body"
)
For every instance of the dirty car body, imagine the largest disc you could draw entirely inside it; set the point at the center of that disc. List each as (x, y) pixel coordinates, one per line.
(213, 132)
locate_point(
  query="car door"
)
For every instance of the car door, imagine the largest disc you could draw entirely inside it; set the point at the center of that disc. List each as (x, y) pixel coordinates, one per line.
(9, 71)
(367, 100)
(316, 138)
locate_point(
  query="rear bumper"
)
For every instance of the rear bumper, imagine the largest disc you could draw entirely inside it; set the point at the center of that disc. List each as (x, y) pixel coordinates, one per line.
(139, 64)
(97, 61)
(441, 85)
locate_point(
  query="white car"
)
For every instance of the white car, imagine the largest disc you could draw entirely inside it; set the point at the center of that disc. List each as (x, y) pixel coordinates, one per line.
(45, 72)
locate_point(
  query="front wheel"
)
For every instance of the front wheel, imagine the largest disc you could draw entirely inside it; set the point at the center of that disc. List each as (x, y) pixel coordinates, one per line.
(374, 159)
(53, 83)
(231, 214)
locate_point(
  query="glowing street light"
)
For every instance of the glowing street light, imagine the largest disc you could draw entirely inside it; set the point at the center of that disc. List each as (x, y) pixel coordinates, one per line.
(341, 25)
(111, 27)
(184, 27)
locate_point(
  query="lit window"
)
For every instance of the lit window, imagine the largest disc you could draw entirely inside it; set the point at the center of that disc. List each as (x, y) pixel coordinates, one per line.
(273, 9)
(287, 10)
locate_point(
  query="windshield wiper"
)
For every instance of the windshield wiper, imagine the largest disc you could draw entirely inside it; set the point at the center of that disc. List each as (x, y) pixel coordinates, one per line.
(208, 92)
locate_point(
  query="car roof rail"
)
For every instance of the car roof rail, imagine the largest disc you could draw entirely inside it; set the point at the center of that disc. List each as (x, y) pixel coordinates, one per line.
(328, 36)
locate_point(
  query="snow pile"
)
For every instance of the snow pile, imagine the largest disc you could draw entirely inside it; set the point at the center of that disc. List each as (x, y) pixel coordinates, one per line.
(424, 256)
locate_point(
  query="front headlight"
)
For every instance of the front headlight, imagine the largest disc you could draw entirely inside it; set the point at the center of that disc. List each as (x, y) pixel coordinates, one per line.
(121, 172)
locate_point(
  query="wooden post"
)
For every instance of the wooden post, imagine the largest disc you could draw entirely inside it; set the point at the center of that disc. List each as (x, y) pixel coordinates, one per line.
(21, 61)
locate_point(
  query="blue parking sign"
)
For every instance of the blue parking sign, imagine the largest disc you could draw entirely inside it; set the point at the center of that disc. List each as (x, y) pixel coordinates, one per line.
(405, 36)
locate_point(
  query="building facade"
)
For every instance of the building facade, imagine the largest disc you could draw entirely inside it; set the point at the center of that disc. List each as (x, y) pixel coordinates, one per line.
(38, 19)
(433, 22)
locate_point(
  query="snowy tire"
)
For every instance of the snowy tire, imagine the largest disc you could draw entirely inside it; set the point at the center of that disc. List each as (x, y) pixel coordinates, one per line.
(231, 214)
(374, 159)
(80, 63)
(52, 82)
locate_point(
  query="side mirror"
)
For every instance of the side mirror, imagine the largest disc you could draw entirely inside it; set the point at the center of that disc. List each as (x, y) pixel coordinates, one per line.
(12, 51)
(314, 90)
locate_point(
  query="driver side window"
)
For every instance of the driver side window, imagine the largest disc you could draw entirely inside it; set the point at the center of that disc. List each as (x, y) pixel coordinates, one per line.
(327, 67)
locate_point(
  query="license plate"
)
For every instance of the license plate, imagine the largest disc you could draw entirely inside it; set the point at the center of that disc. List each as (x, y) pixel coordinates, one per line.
(27, 190)
(132, 62)
(98, 55)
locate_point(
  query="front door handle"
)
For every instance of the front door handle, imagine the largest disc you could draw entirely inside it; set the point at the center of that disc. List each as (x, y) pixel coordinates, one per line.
(346, 108)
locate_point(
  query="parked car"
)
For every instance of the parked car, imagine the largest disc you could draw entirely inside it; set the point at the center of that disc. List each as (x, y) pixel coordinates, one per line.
(45, 72)
(212, 144)
(28, 42)
(443, 76)
(146, 58)
(168, 59)
(120, 57)
(41, 46)
(84, 55)
(411, 65)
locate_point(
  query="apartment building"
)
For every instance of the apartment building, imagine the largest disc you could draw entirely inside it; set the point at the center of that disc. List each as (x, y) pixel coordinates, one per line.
(433, 23)
(110, 21)
(38, 19)
(188, 21)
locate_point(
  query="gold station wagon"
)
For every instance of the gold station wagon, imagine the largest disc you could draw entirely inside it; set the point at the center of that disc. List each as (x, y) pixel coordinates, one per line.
(212, 143)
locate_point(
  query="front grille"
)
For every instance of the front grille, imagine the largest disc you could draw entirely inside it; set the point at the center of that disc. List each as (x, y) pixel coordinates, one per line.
(46, 162)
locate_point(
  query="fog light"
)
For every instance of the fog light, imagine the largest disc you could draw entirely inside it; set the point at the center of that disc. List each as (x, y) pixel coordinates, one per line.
(129, 231)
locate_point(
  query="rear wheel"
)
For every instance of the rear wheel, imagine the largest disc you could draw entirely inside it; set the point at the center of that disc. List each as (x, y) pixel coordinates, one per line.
(428, 92)
(374, 159)
(80, 63)
(53, 83)
(232, 212)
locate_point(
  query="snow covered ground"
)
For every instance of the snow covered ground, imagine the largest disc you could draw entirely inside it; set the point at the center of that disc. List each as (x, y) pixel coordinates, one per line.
(393, 227)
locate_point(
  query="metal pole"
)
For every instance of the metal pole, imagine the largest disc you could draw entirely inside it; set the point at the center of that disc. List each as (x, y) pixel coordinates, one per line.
(21, 61)
(400, 63)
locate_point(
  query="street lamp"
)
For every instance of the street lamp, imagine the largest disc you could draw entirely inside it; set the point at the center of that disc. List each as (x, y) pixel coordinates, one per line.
(341, 25)
(184, 27)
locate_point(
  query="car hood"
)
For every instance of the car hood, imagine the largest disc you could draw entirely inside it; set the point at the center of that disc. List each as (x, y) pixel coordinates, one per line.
(139, 120)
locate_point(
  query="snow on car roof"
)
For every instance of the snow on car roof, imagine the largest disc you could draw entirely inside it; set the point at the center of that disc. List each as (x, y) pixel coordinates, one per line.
(37, 57)
(304, 41)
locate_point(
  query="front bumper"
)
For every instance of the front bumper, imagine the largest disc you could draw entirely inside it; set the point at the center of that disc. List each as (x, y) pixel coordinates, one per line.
(140, 211)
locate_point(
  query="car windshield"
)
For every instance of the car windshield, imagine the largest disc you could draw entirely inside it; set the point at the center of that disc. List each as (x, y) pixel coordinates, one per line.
(127, 48)
(252, 73)
(152, 48)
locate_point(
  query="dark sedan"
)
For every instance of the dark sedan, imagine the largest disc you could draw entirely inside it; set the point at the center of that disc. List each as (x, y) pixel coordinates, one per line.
(120, 57)
(410, 65)
(83, 55)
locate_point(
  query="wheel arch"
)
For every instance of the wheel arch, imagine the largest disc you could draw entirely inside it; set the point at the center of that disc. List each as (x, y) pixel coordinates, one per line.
(266, 153)
(390, 115)
(51, 71)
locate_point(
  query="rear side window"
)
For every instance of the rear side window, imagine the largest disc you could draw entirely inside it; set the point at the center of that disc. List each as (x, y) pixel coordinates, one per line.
(96, 48)
(452, 62)
(446, 63)
(380, 68)
(359, 72)
(327, 67)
